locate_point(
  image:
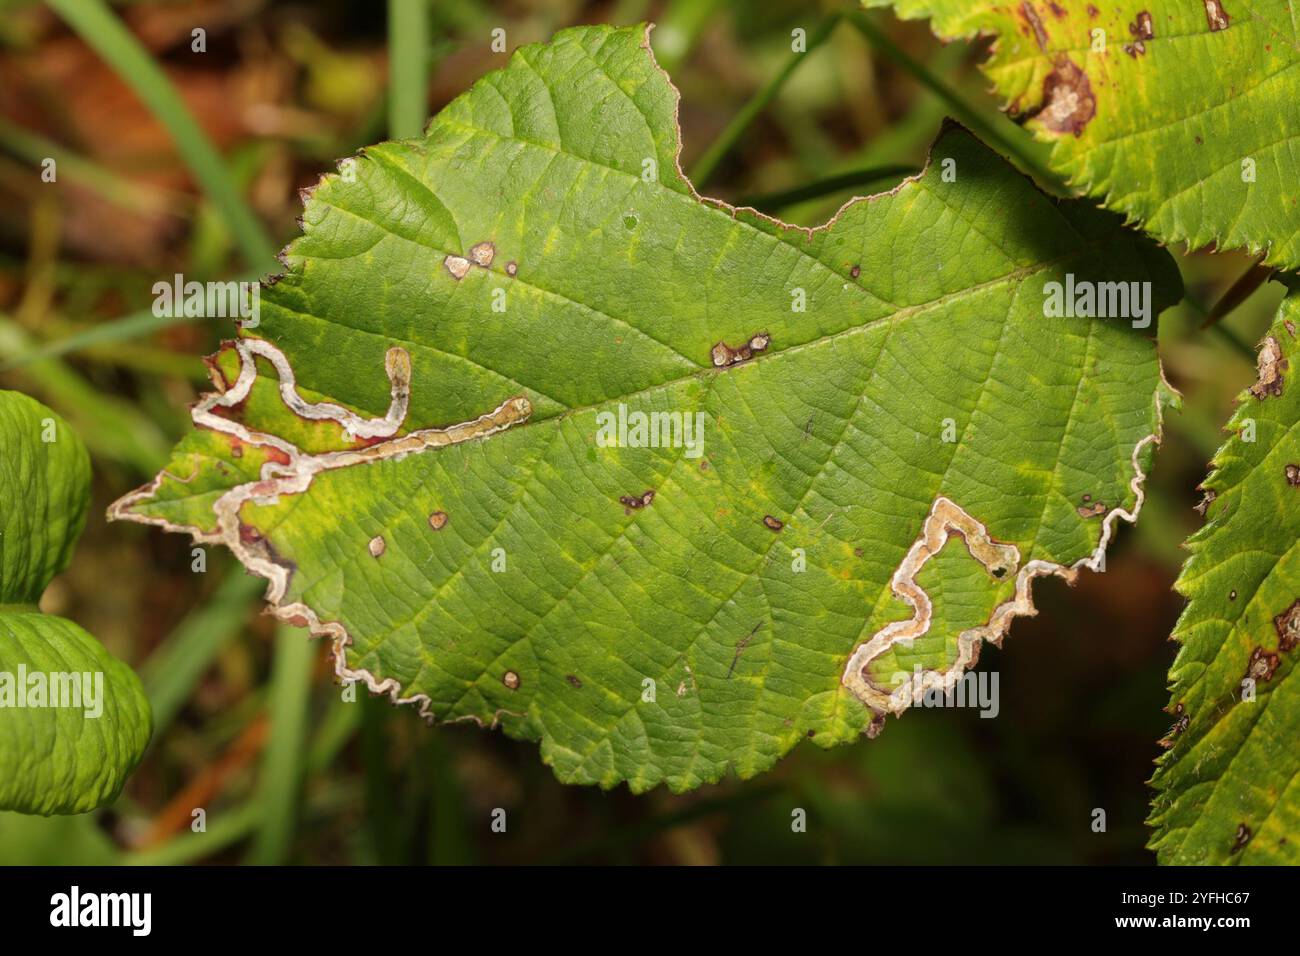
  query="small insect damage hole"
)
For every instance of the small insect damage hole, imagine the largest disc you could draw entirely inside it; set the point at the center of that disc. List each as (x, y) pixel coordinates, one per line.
(773, 523)
(1216, 16)
(1292, 473)
(1140, 29)
(512, 268)
(855, 271)
(438, 520)
(481, 254)
(1271, 367)
(377, 546)
(1241, 838)
(1262, 665)
(1203, 505)
(632, 503)
(1287, 625)
(1092, 510)
(724, 355)
(573, 681)
(511, 680)
(1068, 102)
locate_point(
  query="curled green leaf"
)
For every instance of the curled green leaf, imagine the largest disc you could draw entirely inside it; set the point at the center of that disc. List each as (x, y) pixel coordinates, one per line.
(1179, 115)
(74, 721)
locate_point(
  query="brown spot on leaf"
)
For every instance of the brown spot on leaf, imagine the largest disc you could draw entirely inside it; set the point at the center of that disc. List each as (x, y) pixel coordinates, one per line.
(1271, 367)
(1091, 511)
(1093, 11)
(1068, 103)
(438, 520)
(1293, 475)
(1288, 627)
(510, 679)
(1241, 838)
(855, 271)
(458, 266)
(1142, 28)
(1057, 10)
(633, 502)
(1262, 665)
(482, 254)
(377, 546)
(724, 355)
(573, 681)
(511, 268)
(773, 523)
(1216, 16)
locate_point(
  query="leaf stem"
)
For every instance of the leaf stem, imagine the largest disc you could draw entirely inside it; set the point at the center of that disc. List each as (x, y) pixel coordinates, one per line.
(1238, 292)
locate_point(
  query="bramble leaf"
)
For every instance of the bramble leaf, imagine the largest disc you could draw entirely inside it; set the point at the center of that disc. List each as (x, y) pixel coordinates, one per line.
(74, 721)
(1180, 115)
(1228, 790)
(661, 599)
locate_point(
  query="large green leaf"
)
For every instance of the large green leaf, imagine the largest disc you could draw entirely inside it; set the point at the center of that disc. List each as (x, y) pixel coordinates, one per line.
(1228, 789)
(663, 613)
(74, 721)
(1182, 115)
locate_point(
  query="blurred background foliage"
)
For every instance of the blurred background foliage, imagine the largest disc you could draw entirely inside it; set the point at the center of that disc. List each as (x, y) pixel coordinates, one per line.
(171, 160)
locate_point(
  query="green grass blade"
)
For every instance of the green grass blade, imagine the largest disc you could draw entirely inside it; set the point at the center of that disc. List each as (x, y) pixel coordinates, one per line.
(282, 763)
(408, 61)
(172, 672)
(1000, 133)
(119, 190)
(111, 427)
(770, 202)
(707, 164)
(96, 24)
(123, 329)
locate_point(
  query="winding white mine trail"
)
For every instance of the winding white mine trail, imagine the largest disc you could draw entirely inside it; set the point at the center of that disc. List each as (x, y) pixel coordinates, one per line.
(292, 472)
